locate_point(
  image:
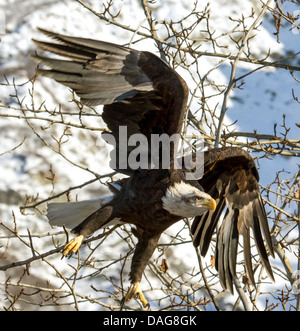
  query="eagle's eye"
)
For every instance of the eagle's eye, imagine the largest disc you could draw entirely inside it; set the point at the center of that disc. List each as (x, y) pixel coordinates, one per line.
(199, 199)
(194, 199)
(208, 203)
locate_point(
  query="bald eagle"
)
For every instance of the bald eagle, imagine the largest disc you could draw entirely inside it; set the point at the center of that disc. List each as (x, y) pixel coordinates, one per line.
(141, 92)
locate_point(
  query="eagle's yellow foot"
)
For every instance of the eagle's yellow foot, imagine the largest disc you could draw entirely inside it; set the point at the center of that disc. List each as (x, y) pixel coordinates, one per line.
(135, 291)
(73, 245)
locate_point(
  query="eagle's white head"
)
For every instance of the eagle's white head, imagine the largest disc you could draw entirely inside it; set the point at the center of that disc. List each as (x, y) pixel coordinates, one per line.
(186, 200)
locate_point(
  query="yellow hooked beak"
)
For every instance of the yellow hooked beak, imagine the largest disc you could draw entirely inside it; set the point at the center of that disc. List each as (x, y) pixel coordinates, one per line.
(209, 204)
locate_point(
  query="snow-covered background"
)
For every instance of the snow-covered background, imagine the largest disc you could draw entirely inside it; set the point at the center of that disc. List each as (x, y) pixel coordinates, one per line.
(25, 171)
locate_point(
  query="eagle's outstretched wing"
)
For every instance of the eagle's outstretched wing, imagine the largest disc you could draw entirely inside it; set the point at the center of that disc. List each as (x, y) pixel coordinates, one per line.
(231, 178)
(138, 89)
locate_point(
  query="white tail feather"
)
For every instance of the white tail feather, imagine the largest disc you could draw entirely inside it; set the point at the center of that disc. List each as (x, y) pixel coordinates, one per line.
(71, 214)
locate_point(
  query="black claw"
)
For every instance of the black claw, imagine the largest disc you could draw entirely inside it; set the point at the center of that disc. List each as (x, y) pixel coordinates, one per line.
(66, 256)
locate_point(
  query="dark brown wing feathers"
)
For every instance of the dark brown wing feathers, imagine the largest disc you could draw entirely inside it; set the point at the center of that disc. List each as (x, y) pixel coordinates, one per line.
(138, 90)
(93, 68)
(231, 178)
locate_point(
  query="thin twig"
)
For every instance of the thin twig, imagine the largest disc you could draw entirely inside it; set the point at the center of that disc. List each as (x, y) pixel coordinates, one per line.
(233, 71)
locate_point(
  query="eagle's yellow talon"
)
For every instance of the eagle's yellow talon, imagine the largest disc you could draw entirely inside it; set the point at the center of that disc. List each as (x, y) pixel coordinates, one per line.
(73, 245)
(136, 292)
